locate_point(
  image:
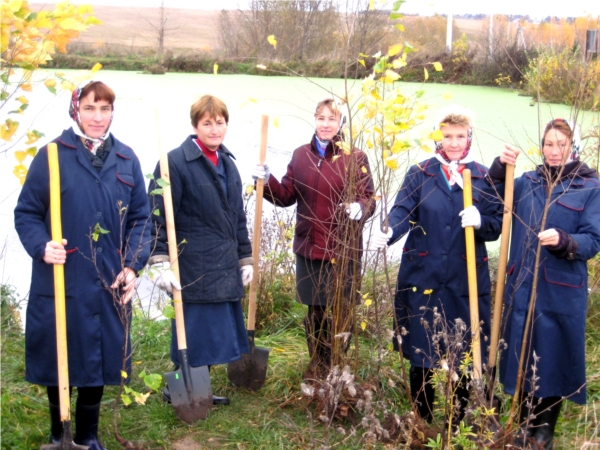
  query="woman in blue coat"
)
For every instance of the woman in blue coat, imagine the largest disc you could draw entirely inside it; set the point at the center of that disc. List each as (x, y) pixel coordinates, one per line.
(571, 236)
(215, 254)
(101, 185)
(432, 279)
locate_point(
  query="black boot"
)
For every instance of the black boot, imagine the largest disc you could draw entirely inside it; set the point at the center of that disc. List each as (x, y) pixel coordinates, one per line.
(422, 391)
(86, 426)
(318, 350)
(56, 427)
(324, 345)
(546, 412)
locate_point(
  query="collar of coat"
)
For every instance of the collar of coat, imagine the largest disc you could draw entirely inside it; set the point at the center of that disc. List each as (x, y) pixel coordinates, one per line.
(431, 167)
(579, 176)
(332, 148)
(191, 150)
(69, 139)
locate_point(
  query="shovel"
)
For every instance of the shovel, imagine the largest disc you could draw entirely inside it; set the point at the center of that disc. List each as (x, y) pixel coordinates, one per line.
(250, 370)
(66, 440)
(191, 394)
(501, 278)
(472, 277)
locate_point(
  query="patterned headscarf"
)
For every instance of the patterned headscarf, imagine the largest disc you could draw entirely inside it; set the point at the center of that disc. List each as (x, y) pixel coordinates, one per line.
(439, 150)
(92, 144)
(575, 139)
(440, 153)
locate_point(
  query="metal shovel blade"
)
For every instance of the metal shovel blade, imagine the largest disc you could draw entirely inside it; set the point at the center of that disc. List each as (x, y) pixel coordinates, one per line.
(250, 371)
(66, 440)
(191, 394)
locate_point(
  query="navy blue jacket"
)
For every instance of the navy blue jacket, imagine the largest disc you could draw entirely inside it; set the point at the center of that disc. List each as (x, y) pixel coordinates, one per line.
(212, 236)
(558, 332)
(115, 198)
(434, 257)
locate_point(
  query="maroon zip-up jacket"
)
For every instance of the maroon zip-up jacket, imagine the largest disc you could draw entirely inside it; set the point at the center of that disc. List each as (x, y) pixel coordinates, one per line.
(318, 186)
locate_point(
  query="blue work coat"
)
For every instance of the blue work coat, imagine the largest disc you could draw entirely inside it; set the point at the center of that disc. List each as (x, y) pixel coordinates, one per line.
(434, 258)
(210, 224)
(213, 243)
(115, 199)
(558, 331)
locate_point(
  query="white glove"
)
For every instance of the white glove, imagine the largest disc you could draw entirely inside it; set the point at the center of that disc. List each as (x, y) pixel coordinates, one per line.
(247, 274)
(163, 277)
(354, 210)
(379, 239)
(261, 172)
(470, 217)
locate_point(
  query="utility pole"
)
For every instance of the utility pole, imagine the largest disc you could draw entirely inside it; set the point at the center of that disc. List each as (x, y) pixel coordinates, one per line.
(491, 36)
(449, 34)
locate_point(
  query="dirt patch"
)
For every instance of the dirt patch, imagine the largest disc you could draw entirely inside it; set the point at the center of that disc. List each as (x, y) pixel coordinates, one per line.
(187, 443)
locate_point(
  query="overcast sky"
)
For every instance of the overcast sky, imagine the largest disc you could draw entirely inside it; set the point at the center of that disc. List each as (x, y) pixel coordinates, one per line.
(535, 8)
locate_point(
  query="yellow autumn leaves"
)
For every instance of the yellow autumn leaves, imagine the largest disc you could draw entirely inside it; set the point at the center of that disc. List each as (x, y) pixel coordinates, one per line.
(367, 302)
(27, 41)
(387, 113)
(32, 37)
(426, 291)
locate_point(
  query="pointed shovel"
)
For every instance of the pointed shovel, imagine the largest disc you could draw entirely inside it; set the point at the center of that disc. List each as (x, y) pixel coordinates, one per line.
(191, 394)
(250, 371)
(66, 440)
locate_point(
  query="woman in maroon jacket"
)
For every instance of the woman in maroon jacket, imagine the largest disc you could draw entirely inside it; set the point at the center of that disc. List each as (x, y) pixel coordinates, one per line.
(332, 187)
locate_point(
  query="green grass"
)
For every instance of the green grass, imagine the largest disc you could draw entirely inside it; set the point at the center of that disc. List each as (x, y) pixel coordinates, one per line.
(279, 416)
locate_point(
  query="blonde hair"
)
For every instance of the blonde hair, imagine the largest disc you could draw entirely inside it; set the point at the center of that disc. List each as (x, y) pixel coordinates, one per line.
(330, 103)
(455, 115)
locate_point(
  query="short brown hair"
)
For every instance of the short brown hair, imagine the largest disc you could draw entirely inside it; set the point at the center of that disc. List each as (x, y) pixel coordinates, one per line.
(207, 104)
(561, 125)
(100, 91)
(328, 103)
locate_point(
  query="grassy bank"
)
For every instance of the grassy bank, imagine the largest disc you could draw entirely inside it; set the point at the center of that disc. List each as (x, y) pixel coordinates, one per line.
(278, 416)
(204, 63)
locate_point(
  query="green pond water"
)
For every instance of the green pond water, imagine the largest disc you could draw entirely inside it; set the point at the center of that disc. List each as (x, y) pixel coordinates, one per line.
(152, 111)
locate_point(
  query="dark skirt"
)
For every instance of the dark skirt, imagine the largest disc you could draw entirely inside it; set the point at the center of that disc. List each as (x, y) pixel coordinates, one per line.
(215, 333)
(315, 279)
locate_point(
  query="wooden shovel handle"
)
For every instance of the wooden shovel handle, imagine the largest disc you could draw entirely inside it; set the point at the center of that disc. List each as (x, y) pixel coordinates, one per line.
(502, 262)
(472, 277)
(59, 287)
(260, 186)
(172, 244)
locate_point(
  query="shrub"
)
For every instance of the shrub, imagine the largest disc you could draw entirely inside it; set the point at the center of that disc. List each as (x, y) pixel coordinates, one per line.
(564, 77)
(9, 308)
(156, 69)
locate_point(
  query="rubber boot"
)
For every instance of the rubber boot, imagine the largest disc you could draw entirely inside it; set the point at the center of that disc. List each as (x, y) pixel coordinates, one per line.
(547, 412)
(324, 346)
(422, 392)
(56, 427)
(86, 426)
(318, 350)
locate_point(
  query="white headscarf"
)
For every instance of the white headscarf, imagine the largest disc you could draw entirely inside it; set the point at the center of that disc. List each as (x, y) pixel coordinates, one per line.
(92, 144)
